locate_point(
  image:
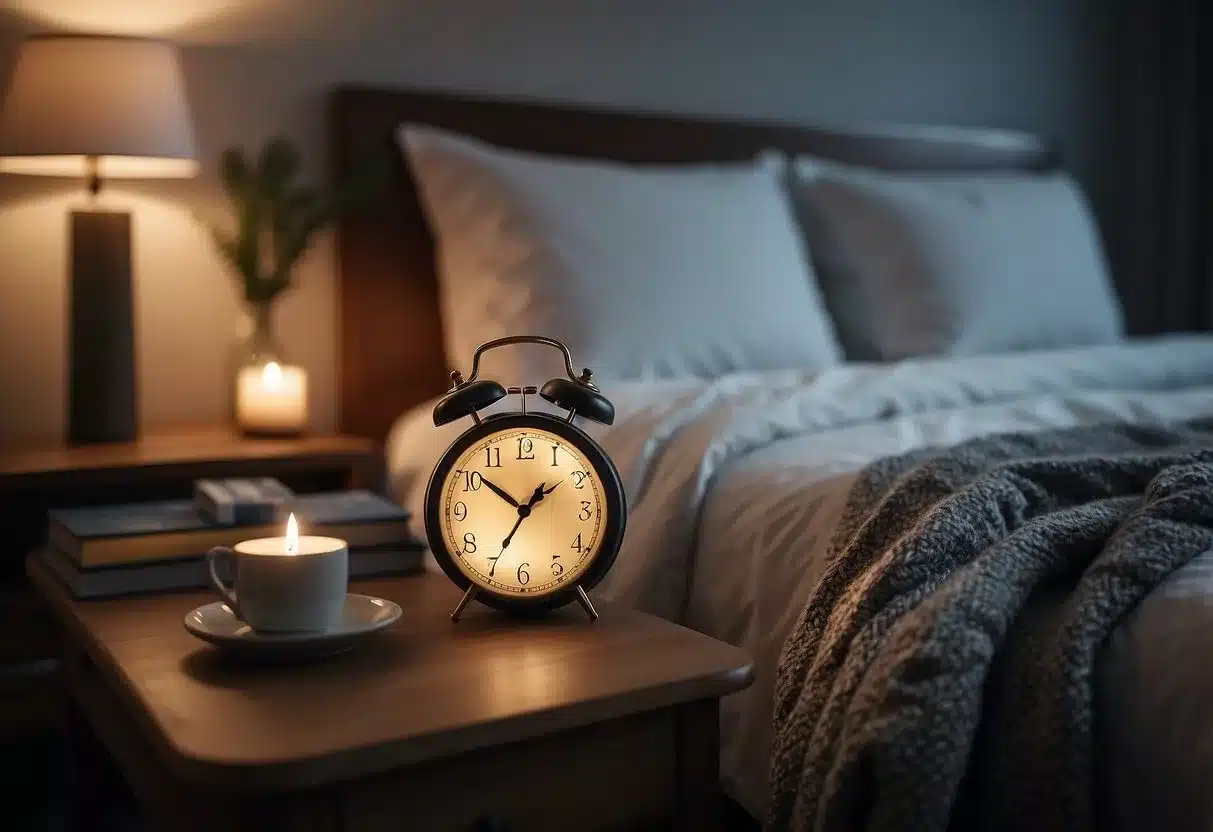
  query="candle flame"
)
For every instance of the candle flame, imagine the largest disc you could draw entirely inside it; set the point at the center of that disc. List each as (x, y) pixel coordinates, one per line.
(292, 535)
(271, 375)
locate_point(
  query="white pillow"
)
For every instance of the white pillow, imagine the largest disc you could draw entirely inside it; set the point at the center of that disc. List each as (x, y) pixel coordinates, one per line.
(954, 263)
(643, 272)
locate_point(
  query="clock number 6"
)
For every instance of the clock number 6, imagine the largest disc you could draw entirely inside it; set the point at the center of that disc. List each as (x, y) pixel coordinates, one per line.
(524, 577)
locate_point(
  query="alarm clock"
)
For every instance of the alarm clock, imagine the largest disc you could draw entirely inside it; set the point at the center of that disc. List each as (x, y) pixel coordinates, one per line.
(524, 511)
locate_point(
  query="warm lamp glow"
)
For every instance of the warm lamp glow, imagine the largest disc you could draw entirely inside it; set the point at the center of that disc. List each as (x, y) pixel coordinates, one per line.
(108, 167)
(292, 535)
(126, 17)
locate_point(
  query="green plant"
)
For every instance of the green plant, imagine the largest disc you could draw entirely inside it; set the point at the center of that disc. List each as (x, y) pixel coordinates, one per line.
(276, 216)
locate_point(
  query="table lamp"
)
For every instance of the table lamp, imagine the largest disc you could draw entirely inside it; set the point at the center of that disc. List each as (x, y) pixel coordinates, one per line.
(98, 107)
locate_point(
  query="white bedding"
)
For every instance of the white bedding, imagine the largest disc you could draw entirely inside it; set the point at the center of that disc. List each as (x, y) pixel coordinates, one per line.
(735, 486)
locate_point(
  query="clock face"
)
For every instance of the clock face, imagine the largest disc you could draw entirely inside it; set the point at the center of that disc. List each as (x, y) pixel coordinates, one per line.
(522, 512)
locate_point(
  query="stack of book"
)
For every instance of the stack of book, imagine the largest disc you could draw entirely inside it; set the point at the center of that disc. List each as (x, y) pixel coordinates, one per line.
(103, 551)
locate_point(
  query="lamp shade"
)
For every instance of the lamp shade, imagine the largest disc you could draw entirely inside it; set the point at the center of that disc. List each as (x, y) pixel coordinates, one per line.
(117, 100)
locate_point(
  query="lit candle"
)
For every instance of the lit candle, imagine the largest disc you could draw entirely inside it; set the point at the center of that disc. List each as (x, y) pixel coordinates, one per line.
(295, 583)
(293, 544)
(272, 399)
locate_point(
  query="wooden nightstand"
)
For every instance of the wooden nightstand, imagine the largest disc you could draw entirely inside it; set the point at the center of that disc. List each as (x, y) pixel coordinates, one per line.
(492, 723)
(159, 466)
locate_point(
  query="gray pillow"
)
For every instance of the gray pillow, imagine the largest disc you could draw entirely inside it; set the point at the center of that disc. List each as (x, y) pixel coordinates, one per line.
(954, 263)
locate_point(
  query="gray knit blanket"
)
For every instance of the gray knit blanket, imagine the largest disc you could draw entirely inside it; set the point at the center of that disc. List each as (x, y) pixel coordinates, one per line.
(940, 676)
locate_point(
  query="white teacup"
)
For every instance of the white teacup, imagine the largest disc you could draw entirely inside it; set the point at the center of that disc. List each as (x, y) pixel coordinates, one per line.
(278, 592)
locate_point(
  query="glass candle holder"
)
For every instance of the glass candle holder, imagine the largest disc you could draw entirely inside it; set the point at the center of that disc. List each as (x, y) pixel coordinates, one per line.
(269, 394)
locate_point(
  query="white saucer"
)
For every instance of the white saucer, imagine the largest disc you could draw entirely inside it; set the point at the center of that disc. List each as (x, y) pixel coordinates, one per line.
(363, 615)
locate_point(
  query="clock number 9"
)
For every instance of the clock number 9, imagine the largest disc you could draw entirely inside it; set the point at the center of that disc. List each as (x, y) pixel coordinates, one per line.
(461, 510)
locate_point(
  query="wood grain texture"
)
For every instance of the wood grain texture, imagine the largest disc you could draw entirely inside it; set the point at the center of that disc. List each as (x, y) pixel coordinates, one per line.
(390, 341)
(183, 453)
(424, 690)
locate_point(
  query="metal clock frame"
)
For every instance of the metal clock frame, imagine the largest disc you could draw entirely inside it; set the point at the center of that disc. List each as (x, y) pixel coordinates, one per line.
(612, 534)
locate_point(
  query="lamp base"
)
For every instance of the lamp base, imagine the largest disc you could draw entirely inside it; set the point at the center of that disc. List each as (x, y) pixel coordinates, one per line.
(102, 398)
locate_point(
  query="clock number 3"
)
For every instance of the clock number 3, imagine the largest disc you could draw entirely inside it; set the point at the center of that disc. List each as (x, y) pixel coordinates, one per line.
(584, 514)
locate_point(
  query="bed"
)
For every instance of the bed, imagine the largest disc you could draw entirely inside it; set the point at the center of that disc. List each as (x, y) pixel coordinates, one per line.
(738, 482)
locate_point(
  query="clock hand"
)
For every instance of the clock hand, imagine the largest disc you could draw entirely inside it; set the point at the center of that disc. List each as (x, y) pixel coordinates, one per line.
(523, 512)
(500, 492)
(536, 496)
(505, 544)
(540, 493)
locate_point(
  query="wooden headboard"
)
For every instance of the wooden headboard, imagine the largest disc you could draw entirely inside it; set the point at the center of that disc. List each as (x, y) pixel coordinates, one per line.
(389, 328)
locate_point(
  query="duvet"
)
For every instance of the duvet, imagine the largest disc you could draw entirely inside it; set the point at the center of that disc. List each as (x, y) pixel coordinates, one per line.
(736, 487)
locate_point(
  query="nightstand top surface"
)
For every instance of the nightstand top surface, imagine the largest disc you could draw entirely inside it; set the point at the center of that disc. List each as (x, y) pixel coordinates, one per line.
(183, 448)
(426, 688)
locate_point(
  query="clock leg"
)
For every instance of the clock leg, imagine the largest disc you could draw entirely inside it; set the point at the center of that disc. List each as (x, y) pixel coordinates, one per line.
(463, 602)
(586, 605)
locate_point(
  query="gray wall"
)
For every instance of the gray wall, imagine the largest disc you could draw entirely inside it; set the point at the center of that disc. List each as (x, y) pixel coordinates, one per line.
(263, 67)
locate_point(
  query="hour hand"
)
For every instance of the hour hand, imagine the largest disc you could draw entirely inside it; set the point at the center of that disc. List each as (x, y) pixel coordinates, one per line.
(500, 492)
(540, 493)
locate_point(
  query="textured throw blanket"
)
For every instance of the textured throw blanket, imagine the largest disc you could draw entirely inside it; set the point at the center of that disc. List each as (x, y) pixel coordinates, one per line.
(941, 675)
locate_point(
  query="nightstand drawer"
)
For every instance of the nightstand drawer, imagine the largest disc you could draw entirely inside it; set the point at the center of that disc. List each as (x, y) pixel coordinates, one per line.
(615, 775)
